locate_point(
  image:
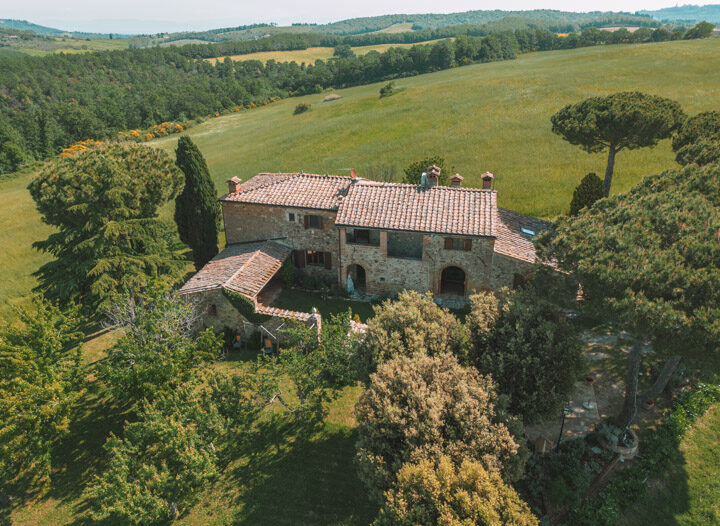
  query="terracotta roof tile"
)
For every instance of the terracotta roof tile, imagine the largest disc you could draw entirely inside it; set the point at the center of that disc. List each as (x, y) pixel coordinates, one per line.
(323, 192)
(432, 209)
(245, 268)
(511, 240)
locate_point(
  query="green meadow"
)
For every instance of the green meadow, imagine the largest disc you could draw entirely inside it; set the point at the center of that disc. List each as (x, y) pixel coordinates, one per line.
(486, 117)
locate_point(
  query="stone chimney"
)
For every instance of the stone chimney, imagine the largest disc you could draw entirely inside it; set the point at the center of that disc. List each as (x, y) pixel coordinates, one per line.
(353, 173)
(433, 175)
(234, 185)
(456, 181)
(487, 179)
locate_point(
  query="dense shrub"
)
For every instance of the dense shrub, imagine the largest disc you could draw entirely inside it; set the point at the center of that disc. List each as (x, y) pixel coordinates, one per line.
(589, 190)
(159, 347)
(414, 170)
(301, 108)
(387, 90)
(426, 406)
(443, 493)
(698, 140)
(412, 324)
(529, 348)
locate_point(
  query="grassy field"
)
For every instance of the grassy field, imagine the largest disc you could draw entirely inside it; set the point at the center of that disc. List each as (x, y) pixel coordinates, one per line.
(397, 28)
(39, 47)
(689, 494)
(309, 55)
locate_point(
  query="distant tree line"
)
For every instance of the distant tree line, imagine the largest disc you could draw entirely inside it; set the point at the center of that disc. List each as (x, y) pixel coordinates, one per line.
(559, 21)
(52, 101)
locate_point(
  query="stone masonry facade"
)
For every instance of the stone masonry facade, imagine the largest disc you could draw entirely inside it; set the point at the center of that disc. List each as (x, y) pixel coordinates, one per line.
(388, 237)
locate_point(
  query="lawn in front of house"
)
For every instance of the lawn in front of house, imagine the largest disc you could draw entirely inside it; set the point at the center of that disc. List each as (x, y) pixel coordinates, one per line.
(304, 301)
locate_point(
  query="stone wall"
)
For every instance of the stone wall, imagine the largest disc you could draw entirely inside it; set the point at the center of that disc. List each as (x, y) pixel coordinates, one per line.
(247, 222)
(223, 315)
(476, 262)
(505, 268)
(389, 275)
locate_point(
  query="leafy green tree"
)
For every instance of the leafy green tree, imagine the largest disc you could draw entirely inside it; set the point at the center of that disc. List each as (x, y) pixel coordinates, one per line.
(441, 492)
(414, 170)
(160, 347)
(197, 210)
(586, 193)
(103, 203)
(649, 263)
(411, 324)
(621, 121)
(529, 348)
(343, 51)
(162, 462)
(317, 365)
(40, 382)
(427, 406)
(698, 140)
(387, 90)
(11, 154)
(701, 30)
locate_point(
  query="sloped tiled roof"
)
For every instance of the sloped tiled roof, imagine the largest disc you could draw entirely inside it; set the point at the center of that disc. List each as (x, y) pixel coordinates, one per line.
(511, 240)
(322, 192)
(433, 209)
(245, 268)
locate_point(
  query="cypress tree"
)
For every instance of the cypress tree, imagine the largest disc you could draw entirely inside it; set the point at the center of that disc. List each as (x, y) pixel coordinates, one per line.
(586, 193)
(197, 211)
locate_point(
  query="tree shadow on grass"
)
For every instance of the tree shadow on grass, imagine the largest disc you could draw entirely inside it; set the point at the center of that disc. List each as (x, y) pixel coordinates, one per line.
(663, 499)
(80, 455)
(292, 477)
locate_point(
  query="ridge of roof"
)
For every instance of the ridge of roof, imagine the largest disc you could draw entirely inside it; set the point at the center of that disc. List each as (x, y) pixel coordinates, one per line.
(368, 182)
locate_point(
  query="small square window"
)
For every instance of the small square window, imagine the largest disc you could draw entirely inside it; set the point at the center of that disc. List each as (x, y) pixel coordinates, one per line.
(291, 217)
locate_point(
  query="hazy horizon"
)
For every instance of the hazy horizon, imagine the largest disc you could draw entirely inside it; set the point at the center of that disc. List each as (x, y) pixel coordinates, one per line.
(136, 16)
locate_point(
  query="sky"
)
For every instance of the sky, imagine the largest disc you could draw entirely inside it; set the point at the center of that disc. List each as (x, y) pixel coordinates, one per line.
(150, 16)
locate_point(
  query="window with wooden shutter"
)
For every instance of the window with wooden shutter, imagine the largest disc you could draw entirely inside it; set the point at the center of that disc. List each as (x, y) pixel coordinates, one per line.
(306, 221)
(316, 258)
(458, 243)
(328, 260)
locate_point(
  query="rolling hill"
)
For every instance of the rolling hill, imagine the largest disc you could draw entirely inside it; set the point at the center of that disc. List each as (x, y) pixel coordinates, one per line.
(691, 14)
(482, 117)
(24, 25)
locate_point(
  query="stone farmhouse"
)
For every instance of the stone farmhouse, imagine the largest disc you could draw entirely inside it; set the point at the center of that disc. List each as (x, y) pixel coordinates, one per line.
(369, 237)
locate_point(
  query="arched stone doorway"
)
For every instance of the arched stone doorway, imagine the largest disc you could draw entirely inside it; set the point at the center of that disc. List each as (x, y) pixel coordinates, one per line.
(452, 281)
(357, 274)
